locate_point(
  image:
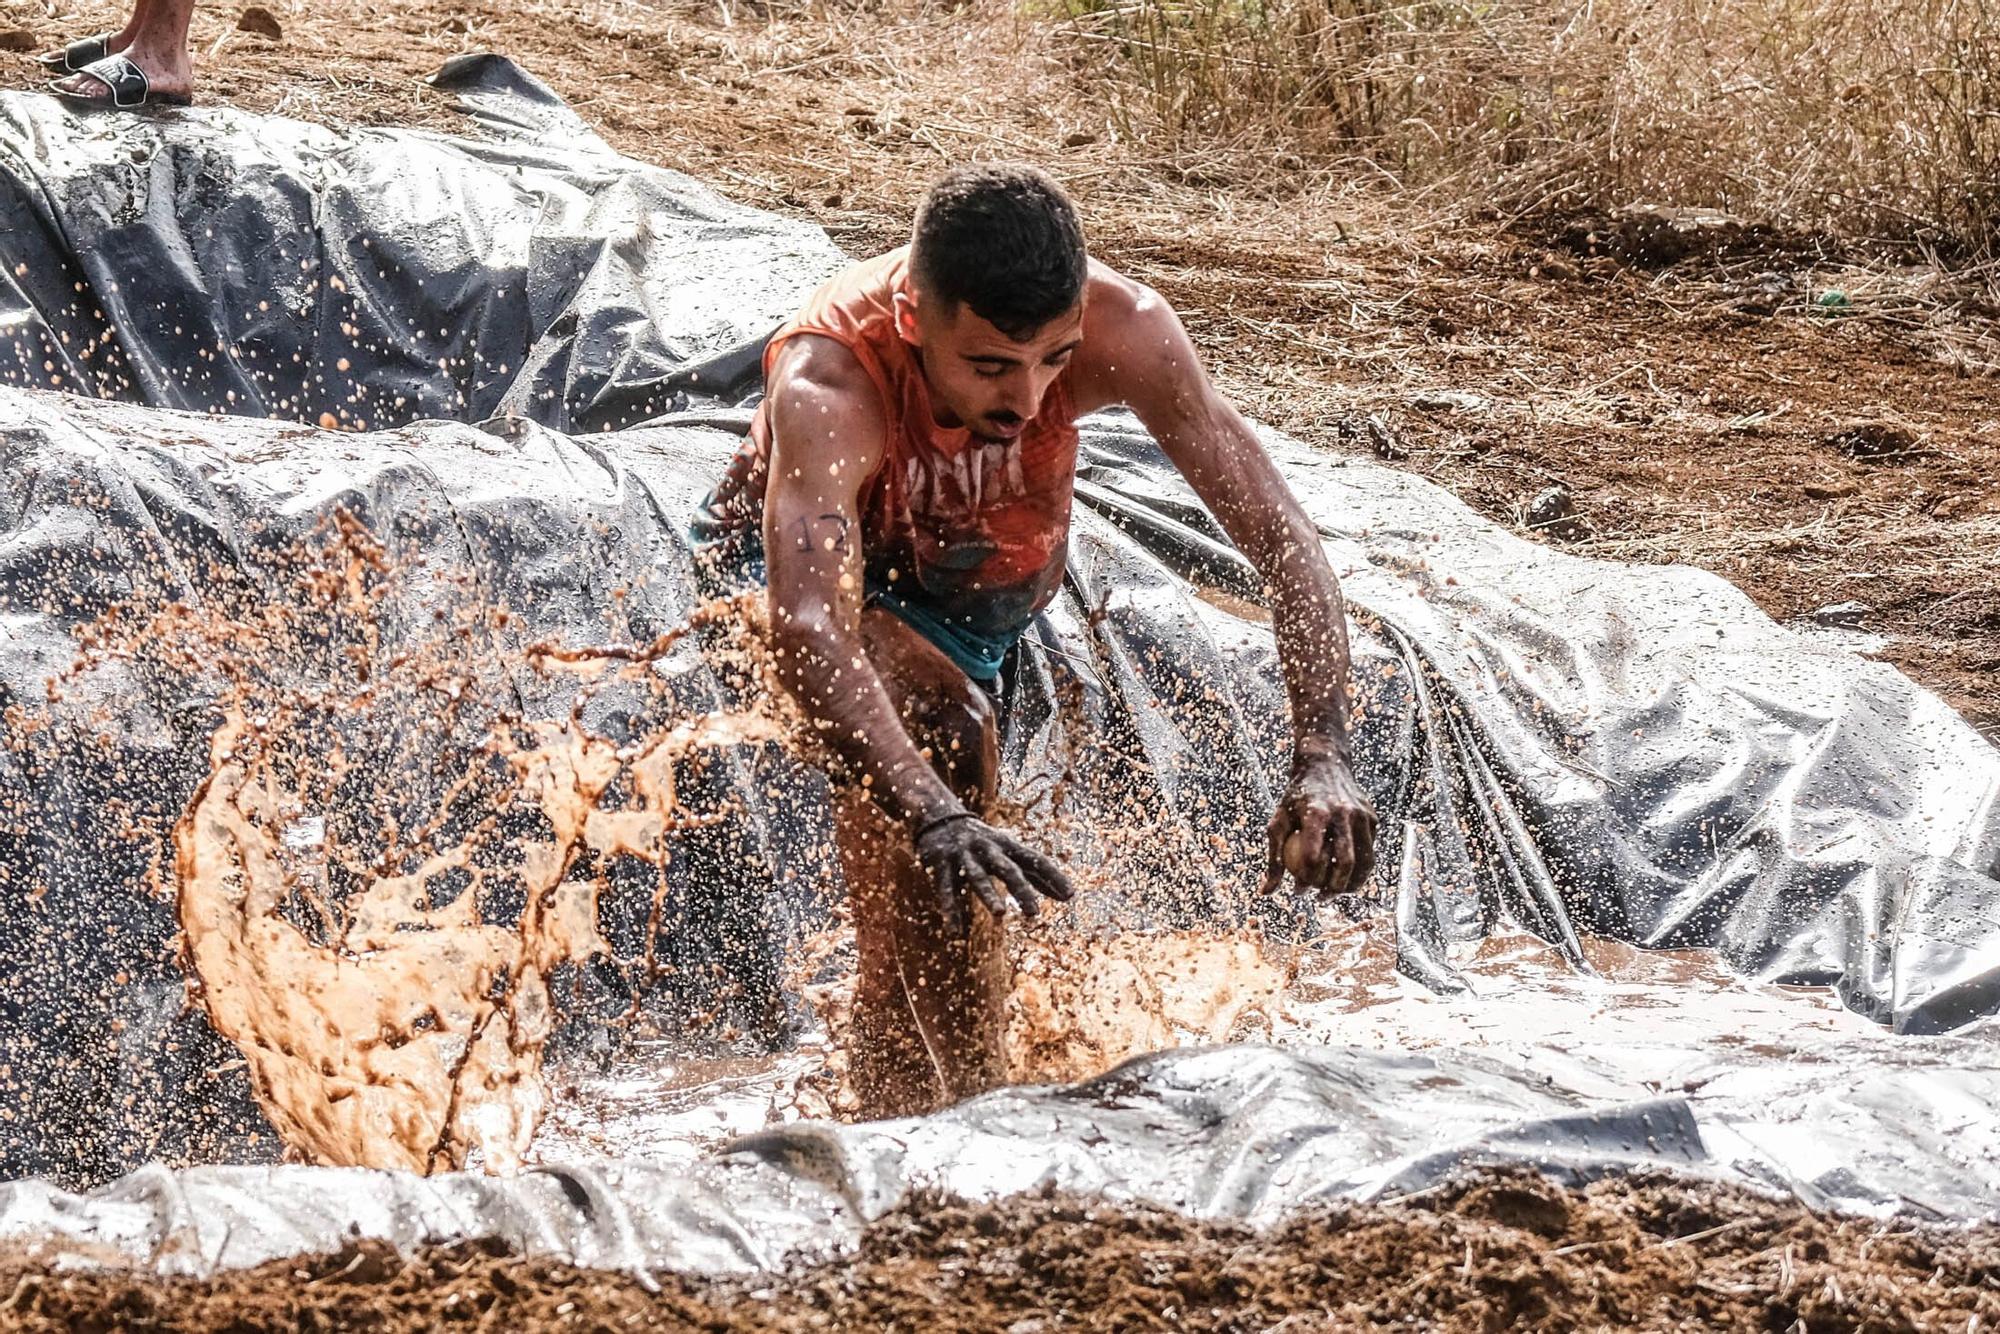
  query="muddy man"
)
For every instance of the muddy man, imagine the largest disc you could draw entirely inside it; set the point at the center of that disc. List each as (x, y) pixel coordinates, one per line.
(905, 491)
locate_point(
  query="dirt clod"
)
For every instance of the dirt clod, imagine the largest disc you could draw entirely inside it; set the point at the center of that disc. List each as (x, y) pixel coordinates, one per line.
(261, 21)
(1874, 441)
(1554, 513)
(1844, 614)
(1650, 236)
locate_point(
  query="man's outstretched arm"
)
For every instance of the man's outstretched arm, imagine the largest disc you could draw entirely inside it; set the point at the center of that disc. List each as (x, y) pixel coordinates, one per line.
(1138, 354)
(827, 431)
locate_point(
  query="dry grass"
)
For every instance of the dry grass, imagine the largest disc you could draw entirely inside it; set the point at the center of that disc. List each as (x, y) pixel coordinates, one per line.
(1874, 120)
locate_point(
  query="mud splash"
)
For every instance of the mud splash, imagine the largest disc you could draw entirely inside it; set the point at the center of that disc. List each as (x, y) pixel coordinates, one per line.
(384, 868)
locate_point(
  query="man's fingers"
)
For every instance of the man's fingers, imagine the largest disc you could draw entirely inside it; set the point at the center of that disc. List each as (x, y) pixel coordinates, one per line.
(1364, 849)
(1274, 861)
(973, 876)
(951, 906)
(1043, 872)
(1339, 855)
(998, 862)
(1305, 850)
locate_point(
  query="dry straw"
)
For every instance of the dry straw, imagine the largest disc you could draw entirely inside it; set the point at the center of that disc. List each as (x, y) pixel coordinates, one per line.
(1871, 120)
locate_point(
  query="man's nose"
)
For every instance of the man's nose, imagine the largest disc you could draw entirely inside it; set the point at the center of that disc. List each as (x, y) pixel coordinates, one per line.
(1024, 396)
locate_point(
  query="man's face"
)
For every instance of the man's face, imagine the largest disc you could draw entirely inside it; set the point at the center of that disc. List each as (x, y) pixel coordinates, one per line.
(978, 376)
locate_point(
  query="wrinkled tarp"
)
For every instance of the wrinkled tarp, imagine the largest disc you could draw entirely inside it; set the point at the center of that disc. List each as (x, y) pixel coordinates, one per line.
(1242, 1133)
(1574, 746)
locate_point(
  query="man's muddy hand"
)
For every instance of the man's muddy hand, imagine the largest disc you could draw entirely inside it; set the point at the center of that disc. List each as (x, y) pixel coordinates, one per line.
(1324, 829)
(965, 855)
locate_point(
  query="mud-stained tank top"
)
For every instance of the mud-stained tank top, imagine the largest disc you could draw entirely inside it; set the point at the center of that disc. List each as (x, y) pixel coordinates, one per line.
(976, 531)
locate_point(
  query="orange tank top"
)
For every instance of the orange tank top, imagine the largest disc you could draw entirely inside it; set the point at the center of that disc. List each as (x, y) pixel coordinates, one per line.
(976, 530)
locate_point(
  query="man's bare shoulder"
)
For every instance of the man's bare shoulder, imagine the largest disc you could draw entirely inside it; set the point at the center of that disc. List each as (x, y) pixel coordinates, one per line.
(823, 403)
(1131, 336)
(1115, 303)
(812, 363)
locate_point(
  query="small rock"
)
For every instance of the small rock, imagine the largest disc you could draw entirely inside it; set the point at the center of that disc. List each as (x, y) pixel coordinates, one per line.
(1554, 512)
(1449, 400)
(261, 21)
(18, 39)
(1843, 614)
(1374, 428)
(1765, 294)
(1873, 441)
(1078, 138)
(1829, 490)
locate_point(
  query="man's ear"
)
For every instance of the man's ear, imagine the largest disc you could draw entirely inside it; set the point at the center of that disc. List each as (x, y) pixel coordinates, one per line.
(906, 319)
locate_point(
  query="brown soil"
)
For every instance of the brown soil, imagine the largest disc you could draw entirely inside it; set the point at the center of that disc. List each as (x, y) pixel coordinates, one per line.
(1498, 1251)
(1689, 427)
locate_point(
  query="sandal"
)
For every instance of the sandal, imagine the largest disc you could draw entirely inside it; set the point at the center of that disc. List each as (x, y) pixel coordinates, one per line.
(130, 88)
(83, 51)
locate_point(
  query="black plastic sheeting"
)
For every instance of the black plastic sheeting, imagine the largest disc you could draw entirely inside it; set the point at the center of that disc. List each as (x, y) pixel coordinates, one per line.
(1571, 746)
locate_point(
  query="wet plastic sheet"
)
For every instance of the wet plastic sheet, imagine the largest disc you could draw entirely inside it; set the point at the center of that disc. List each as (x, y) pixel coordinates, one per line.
(1569, 745)
(1247, 1134)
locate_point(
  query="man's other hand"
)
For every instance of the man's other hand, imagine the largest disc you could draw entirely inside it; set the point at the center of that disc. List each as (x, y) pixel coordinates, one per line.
(965, 855)
(1324, 829)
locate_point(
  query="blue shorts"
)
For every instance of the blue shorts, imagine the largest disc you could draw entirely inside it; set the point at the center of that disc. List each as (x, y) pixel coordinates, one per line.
(733, 561)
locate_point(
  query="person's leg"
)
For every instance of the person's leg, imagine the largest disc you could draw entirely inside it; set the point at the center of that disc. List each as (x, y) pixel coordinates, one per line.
(156, 40)
(929, 1007)
(141, 15)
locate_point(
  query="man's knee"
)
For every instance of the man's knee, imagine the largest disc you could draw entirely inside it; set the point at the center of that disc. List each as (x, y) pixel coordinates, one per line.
(959, 727)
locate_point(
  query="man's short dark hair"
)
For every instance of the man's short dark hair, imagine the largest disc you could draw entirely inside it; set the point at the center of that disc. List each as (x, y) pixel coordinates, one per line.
(1003, 239)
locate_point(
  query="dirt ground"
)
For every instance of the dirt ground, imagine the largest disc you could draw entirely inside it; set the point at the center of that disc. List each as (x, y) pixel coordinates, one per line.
(1493, 1252)
(1815, 432)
